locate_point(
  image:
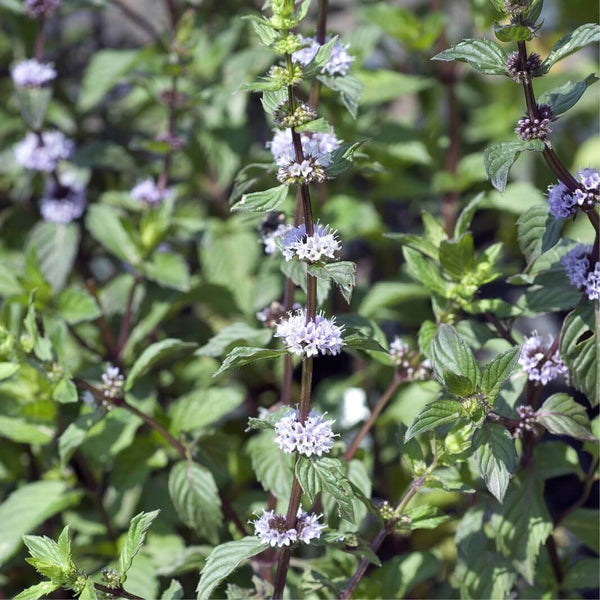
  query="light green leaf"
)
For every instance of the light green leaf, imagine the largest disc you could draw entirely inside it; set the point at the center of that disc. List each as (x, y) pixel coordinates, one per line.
(327, 475)
(154, 354)
(25, 432)
(65, 392)
(103, 72)
(225, 559)
(456, 256)
(104, 224)
(74, 305)
(435, 414)
(7, 370)
(450, 352)
(134, 540)
(499, 157)
(561, 415)
(483, 55)
(417, 242)
(173, 592)
(89, 591)
(264, 201)
(496, 457)
(169, 271)
(272, 467)
(497, 371)
(403, 573)
(243, 355)
(582, 36)
(538, 232)
(195, 496)
(350, 89)
(384, 294)
(425, 271)
(238, 332)
(341, 273)
(383, 85)
(49, 558)
(466, 215)
(37, 591)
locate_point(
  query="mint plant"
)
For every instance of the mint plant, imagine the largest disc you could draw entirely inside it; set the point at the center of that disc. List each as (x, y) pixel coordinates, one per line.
(267, 330)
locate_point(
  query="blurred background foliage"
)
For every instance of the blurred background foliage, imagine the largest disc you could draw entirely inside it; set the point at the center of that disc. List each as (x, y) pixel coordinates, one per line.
(424, 126)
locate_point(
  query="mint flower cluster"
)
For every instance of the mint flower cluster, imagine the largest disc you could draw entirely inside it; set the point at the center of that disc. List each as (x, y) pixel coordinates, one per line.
(32, 74)
(272, 529)
(63, 200)
(310, 338)
(564, 203)
(581, 273)
(149, 193)
(538, 364)
(407, 362)
(339, 61)
(43, 152)
(313, 437)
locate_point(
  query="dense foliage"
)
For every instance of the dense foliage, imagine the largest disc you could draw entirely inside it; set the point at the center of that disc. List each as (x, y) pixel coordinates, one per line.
(299, 300)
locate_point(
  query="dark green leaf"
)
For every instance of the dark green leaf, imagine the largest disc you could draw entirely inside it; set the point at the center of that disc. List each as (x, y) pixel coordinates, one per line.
(561, 415)
(349, 87)
(168, 270)
(134, 540)
(582, 36)
(273, 468)
(483, 55)
(74, 304)
(243, 355)
(264, 201)
(512, 32)
(435, 414)
(584, 525)
(498, 158)
(450, 352)
(341, 273)
(563, 98)
(538, 232)
(497, 371)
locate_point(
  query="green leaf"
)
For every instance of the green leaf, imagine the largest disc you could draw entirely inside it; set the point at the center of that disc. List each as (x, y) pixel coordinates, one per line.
(584, 574)
(582, 36)
(450, 352)
(435, 414)
(466, 216)
(356, 340)
(201, 408)
(403, 573)
(134, 540)
(483, 55)
(7, 370)
(327, 475)
(456, 256)
(512, 32)
(263, 29)
(169, 271)
(498, 158)
(223, 561)
(65, 391)
(173, 592)
(342, 159)
(243, 355)
(103, 72)
(425, 271)
(538, 232)
(341, 273)
(49, 558)
(273, 468)
(417, 242)
(583, 524)
(232, 334)
(458, 385)
(496, 457)
(25, 432)
(264, 201)
(89, 590)
(580, 349)
(195, 496)
(154, 354)
(314, 67)
(104, 224)
(385, 85)
(564, 97)
(497, 371)
(37, 591)
(523, 523)
(349, 87)
(561, 415)
(74, 435)
(56, 247)
(75, 305)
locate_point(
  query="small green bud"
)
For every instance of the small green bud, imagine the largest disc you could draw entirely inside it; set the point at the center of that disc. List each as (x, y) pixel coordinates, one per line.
(288, 44)
(111, 577)
(55, 372)
(27, 343)
(285, 118)
(386, 511)
(79, 584)
(285, 76)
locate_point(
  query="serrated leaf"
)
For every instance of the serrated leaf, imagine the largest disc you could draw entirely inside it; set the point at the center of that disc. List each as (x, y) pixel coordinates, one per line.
(342, 158)
(264, 201)
(538, 232)
(456, 256)
(580, 349)
(75, 434)
(497, 371)
(498, 158)
(582, 36)
(328, 475)
(458, 385)
(425, 271)
(483, 55)
(49, 558)
(134, 540)
(523, 523)
(225, 559)
(561, 415)
(273, 468)
(56, 247)
(243, 355)
(435, 414)
(496, 457)
(512, 33)
(564, 97)
(356, 340)
(450, 352)
(151, 356)
(341, 273)
(89, 591)
(196, 499)
(237, 332)
(104, 224)
(37, 591)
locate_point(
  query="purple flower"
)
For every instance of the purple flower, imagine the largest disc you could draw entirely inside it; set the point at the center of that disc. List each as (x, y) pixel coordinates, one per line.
(339, 61)
(577, 264)
(535, 361)
(32, 74)
(309, 339)
(526, 420)
(308, 527)
(65, 202)
(41, 8)
(564, 203)
(149, 193)
(592, 285)
(43, 152)
(538, 128)
(317, 146)
(271, 529)
(323, 244)
(314, 436)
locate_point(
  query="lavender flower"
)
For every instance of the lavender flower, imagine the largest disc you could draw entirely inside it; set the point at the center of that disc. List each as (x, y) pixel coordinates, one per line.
(113, 382)
(32, 74)
(323, 244)
(41, 8)
(270, 239)
(308, 527)
(526, 420)
(65, 202)
(149, 193)
(537, 364)
(43, 152)
(309, 339)
(592, 285)
(339, 62)
(580, 272)
(271, 529)
(564, 203)
(404, 360)
(272, 314)
(538, 128)
(314, 436)
(318, 146)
